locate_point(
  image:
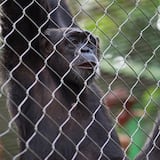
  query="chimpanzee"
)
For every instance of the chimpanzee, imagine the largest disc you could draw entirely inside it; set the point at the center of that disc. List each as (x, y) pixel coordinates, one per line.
(151, 150)
(49, 74)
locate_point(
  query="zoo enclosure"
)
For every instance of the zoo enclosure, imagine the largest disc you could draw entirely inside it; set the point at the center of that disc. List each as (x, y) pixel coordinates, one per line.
(129, 34)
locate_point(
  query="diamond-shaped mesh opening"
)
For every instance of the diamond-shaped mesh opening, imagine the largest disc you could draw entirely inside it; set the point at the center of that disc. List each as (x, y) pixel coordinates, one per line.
(49, 109)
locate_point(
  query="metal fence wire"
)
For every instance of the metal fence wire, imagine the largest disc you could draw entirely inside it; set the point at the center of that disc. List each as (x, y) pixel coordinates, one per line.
(79, 80)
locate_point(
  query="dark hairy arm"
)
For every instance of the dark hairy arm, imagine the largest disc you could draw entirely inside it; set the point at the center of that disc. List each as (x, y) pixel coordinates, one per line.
(21, 22)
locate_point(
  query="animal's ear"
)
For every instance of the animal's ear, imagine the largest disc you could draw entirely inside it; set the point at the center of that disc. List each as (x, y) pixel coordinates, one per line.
(54, 35)
(48, 32)
(50, 38)
(46, 47)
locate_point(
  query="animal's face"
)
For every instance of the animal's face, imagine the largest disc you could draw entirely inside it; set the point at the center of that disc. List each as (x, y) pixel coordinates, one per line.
(73, 54)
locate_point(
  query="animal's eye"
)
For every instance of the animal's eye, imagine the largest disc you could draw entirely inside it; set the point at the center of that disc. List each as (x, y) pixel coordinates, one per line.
(74, 41)
(91, 45)
(92, 40)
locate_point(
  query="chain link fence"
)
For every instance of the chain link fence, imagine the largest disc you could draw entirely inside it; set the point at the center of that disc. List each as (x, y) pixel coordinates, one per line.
(129, 35)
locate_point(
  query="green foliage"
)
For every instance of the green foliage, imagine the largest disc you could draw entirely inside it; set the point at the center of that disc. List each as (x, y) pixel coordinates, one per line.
(130, 43)
(151, 100)
(127, 29)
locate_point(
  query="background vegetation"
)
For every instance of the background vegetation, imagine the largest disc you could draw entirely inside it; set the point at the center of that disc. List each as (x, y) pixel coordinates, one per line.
(129, 32)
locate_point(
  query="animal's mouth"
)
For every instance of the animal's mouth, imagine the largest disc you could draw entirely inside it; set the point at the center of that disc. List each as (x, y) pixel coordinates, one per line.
(87, 65)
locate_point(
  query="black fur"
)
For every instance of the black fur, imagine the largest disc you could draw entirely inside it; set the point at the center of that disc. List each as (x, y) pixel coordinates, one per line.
(54, 113)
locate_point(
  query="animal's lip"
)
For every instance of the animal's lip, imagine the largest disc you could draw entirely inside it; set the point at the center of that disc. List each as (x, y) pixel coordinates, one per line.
(87, 65)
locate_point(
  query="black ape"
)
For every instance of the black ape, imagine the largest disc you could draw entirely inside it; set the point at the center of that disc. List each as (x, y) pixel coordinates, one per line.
(58, 116)
(151, 150)
(76, 52)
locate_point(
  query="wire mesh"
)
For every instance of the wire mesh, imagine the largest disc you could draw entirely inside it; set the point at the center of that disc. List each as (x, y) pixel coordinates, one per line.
(129, 64)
